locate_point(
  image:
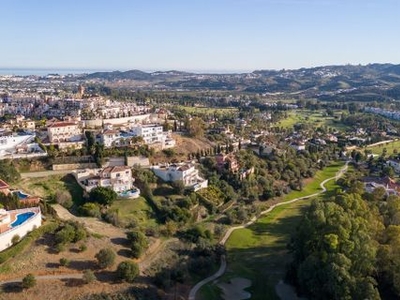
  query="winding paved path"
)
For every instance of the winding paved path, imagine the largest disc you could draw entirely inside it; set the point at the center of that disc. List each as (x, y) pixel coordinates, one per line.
(221, 270)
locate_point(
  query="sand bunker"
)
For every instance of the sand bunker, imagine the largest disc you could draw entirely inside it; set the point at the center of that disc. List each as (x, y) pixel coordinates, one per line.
(234, 290)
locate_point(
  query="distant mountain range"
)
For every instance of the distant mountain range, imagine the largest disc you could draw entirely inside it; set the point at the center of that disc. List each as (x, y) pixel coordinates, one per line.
(360, 82)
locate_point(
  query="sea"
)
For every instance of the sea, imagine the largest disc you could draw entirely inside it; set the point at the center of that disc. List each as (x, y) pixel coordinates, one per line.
(43, 72)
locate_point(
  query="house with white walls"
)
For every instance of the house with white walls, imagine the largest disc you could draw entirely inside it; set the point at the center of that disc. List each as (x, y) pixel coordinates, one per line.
(118, 178)
(186, 173)
(17, 223)
(64, 131)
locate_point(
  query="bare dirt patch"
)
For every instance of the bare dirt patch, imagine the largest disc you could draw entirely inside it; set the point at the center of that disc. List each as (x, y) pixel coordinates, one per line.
(184, 146)
(42, 260)
(59, 289)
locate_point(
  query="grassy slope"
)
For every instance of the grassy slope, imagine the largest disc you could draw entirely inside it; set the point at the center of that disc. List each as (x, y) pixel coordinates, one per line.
(390, 147)
(135, 209)
(45, 187)
(259, 251)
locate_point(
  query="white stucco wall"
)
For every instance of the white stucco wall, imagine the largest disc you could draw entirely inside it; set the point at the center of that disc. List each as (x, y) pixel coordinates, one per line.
(116, 121)
(22, 230)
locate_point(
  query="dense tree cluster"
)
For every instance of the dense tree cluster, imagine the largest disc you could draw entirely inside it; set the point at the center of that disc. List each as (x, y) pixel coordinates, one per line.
(69, 232)
(8, 172)
(347, 247)
(102, 195)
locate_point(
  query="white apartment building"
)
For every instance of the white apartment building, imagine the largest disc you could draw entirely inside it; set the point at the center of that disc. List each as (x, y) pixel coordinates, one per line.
(153, 134)
(187, 173)
(64, 132)
(150, 133)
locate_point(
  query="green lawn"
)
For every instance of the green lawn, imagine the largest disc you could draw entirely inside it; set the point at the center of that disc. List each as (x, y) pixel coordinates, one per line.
(45, 187)
(390, 147)
(136, 210)
(317, 119)
(314, 185)
(259, 252)
(209, 110)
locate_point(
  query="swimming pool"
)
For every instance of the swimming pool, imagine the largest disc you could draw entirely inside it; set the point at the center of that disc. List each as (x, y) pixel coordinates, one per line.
(21, 218)
(132, 193)
(20, 194)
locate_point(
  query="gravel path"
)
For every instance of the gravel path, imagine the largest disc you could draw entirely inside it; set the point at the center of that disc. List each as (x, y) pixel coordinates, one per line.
(221, 271)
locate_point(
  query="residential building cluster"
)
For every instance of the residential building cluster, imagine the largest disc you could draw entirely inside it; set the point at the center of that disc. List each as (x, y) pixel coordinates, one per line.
(118, 178)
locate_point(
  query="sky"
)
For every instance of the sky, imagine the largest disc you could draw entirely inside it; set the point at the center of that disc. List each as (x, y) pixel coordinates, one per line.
(197, 35)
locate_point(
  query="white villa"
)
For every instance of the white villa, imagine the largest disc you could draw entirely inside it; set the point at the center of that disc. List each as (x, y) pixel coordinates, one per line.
(151, 135)
(64, 132)
(184, 172)
(110, 138)
(17, 222)
(118, 178)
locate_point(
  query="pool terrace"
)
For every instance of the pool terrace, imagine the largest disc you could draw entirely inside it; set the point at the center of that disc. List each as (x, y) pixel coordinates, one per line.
(4, 227)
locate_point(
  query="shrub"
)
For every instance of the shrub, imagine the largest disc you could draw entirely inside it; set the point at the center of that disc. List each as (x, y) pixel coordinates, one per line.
(28, 281)
(15, 239)
(88, 276)
(102, 195)
(138, 242)
(82, 247)
(60, 248)
(64, 198)
(90, 209)
(105, 258)
(64, 262)
(128, 270)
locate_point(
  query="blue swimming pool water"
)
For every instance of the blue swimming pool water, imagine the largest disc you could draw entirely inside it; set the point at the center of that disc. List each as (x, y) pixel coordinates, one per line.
(129, 193)
(21, 218)
(20, 194)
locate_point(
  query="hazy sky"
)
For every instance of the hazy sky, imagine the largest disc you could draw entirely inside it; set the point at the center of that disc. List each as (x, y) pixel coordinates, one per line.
(212, 35)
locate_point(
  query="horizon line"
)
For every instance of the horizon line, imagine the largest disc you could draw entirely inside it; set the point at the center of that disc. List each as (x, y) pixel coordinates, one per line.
(195, 71)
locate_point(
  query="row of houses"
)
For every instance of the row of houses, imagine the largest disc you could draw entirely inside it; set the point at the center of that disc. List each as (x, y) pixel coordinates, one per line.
(120, 180)
(71, 133)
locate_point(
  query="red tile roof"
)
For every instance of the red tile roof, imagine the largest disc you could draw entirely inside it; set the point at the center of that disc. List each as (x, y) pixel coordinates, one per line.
(62, 124)
(3, 185)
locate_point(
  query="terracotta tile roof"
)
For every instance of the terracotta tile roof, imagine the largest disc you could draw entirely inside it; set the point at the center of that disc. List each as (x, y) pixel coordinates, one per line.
(62, 124)
(111, 131)
(3, 185)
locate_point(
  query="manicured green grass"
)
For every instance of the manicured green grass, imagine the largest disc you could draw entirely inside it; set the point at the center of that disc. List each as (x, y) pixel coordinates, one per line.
(209, 291)
(317, 119)
(290, 121)
(135, 209)
(390, 148)
(209, 110)
(313, 186)
(259, 252)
